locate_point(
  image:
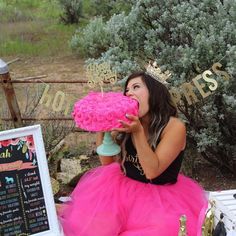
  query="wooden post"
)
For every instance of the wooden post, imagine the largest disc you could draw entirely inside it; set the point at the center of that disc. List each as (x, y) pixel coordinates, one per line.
(5, 80)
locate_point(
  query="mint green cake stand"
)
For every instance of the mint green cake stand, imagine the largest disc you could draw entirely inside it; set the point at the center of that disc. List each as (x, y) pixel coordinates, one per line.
(108, 146)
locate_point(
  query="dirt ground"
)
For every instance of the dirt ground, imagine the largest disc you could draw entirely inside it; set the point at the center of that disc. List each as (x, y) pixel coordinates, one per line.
(212, 179)
(72, 68)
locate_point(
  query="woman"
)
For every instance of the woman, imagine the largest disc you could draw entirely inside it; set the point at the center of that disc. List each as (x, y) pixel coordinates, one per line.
(143, 195)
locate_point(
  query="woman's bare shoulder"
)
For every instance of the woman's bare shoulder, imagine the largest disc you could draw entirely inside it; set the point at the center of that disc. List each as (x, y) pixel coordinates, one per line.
(174, 121)
(175, 125)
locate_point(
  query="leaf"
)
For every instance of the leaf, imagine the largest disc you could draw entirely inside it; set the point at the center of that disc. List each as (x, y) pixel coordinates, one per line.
(24, 149)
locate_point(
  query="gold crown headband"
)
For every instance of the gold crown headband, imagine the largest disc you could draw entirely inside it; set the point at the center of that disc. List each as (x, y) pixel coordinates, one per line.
(154, 70)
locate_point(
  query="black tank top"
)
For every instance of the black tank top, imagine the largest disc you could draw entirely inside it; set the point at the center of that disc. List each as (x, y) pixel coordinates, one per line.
(132, 168)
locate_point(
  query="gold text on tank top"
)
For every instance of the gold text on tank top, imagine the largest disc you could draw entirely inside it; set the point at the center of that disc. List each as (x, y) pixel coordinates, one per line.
(134, 160)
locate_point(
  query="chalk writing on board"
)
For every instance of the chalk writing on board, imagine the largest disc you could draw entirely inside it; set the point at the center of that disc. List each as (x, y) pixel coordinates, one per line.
(22, 205)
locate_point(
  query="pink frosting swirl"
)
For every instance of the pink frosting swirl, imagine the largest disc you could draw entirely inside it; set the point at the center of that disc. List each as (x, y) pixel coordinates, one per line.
(101, 112)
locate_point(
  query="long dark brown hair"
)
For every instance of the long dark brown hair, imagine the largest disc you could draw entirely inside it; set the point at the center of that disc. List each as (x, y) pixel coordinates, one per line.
(161, 105)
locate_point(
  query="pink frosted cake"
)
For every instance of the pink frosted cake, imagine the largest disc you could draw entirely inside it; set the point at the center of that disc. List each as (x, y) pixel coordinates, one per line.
(101, 112)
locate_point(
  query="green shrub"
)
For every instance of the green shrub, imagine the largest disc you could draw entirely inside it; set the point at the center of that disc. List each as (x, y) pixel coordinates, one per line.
(92, 40)
(186, 38)
(107, 8)
(72, 11)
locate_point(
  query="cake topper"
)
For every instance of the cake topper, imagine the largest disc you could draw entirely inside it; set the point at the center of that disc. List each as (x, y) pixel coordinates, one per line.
(154, 70)
(100, 74)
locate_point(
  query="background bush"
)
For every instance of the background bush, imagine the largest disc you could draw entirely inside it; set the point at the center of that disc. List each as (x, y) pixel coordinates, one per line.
(72, 11)
(186, 38)
(107, 8)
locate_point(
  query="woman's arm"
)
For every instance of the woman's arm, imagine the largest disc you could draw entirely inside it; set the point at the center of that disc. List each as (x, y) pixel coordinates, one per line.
(172, 142)
(105, 160)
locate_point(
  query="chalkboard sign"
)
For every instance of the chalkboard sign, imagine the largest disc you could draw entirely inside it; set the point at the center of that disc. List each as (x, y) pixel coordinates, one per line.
(26, 199)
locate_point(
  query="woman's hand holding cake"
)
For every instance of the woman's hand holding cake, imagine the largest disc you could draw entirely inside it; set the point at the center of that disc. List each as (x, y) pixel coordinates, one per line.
(133, 126)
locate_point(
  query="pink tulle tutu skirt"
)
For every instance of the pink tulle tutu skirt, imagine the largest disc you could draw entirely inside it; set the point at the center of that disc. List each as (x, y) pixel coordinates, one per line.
(107, 203)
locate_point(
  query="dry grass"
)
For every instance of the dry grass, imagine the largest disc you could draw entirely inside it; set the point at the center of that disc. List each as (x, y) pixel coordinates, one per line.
(32, 28)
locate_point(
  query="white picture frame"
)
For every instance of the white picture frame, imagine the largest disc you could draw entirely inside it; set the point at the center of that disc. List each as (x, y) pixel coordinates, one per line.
(40, 165)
